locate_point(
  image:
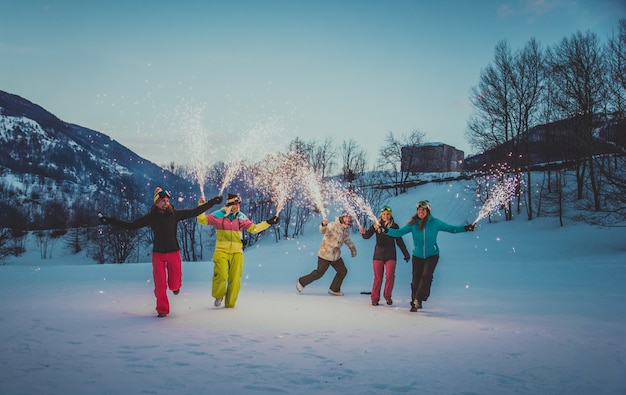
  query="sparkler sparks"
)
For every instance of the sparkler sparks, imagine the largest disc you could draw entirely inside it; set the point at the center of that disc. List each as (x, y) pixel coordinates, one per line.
(231, 170)
(353, 203)
(312, 183)
(189, 124)
(500, 195)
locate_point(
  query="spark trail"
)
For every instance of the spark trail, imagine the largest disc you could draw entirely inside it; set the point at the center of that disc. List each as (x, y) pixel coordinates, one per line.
(312, 183)
(500, 196)
(231, 170)
(364, 207)
(351, 202)
(276, 175)
(189, 124)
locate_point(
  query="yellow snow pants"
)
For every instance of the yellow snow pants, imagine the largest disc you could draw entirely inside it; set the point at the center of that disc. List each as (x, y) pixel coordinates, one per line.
(227, 270)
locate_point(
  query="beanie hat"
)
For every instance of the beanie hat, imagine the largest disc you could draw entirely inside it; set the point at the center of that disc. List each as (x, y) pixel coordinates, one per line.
(232, 199)
(386, 209)
(159, 193)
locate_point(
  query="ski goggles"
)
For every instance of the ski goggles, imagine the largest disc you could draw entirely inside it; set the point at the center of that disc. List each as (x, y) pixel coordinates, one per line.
(163, 194)
(385, 209)
(423, 204)
(235, 200)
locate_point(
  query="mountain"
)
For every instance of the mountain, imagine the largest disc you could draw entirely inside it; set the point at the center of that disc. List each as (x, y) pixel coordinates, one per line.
(46, 160)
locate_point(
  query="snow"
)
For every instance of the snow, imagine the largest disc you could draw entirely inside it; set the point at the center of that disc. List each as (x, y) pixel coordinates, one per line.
(517, 307)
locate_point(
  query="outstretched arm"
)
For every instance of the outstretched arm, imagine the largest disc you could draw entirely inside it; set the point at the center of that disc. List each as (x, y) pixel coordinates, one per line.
(398, 232)
(194, 212)
(136, 224)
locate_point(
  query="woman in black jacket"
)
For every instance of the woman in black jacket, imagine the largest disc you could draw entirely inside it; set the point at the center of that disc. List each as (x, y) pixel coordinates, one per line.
(384, 261)
(166, 260)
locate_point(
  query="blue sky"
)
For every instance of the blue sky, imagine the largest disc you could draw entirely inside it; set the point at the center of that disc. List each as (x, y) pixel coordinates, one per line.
(161, 77)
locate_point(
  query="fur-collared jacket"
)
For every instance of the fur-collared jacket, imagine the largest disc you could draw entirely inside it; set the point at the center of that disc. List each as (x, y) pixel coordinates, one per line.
(336, 234)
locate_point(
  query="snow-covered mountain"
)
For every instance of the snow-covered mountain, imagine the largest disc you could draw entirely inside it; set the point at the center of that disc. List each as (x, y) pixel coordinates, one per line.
(45, 159)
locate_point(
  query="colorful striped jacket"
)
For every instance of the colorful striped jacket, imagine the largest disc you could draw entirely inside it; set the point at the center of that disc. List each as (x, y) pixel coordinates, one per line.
(228, 228)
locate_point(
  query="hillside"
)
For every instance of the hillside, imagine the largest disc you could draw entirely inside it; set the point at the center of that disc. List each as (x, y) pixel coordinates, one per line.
(46, 159)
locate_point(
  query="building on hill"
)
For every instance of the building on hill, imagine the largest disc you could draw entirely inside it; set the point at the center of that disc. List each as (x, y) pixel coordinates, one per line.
(556, 142)
(431, 158)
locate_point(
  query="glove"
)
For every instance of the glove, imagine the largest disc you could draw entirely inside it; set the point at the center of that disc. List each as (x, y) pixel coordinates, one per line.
(216, 200)
(273, 220)
(470, 227)
(103, 220)
(382, 229)
(407, 258)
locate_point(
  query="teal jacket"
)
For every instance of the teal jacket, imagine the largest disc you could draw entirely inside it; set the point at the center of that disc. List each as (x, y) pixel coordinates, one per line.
(425, 240)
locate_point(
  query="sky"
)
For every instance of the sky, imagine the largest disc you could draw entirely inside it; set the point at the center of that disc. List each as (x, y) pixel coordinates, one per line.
(183, 81)
(517, 307)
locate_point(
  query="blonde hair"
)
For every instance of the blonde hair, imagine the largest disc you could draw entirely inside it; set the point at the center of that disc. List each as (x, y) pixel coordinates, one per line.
(387, 224)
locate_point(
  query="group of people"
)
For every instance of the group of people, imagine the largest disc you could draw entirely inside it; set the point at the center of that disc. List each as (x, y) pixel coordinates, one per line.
(229, 223)
(425, 255)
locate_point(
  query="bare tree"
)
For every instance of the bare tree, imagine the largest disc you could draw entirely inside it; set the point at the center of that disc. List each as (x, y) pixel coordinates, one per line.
(527, 84)
(613, 167)
(390, 157)
(578, 67)
(616, 67)
(353, 160)
(188, 238)
(490, 124)
(323, 158)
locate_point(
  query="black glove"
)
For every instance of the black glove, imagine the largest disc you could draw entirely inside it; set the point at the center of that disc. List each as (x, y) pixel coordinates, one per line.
(103, 220)
(273, 220)
(407, 258)
(216, 200)
(470, 227)
(382, 229)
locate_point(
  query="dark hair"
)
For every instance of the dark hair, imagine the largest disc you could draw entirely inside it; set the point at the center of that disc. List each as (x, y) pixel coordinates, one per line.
(169, 208)
(423, 221)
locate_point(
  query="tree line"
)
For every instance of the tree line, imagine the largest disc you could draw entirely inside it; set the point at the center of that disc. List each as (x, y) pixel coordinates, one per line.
(578, 79)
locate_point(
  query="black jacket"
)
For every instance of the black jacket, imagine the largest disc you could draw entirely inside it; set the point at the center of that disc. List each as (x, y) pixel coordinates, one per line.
(163, 224)
(385, 248)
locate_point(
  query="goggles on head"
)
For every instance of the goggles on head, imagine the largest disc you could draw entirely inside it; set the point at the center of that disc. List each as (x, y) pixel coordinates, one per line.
(423, 204)
(163, 194)
(236, 199)
(385, 209)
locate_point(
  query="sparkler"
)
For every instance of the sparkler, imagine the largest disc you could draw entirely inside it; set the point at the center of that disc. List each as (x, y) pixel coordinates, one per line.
(276, 175)
(189, 123)
(312, 184)
(231, 169)
(364, 207)
(500, 195)
(352, 202)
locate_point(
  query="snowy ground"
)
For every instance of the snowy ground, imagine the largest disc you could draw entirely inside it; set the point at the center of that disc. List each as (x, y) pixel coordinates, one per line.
(517, 308)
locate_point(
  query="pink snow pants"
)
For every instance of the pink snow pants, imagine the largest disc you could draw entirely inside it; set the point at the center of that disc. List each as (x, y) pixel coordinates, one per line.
(389, 269)
(167, 271)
